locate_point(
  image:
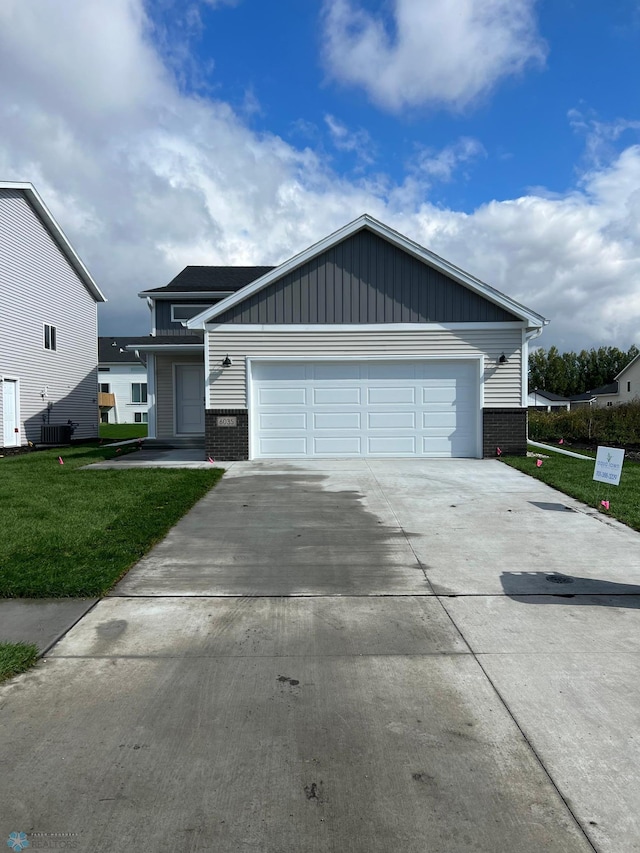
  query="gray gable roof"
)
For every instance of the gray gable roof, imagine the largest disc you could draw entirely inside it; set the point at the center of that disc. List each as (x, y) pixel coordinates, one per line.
(365, 279)
(114, 349)
(211, 279)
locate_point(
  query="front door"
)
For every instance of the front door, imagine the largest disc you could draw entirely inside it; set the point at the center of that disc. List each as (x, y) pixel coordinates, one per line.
(11, 431)
(189, 399)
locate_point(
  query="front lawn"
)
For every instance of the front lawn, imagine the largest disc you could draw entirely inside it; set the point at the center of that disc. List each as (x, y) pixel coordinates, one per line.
(72, 532)
(121, 432)
(15, 658)
(575, 477)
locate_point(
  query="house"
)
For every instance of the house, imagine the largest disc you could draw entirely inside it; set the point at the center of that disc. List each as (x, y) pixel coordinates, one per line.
(545, 401)
(122, 382)
(48, 327)
(625, 388)
(605, 395)
(364, 344)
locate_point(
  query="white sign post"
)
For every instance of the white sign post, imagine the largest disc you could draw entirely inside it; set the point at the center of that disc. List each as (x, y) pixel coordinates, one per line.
(609, 465)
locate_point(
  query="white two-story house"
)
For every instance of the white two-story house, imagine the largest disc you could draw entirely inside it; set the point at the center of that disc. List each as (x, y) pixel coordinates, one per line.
(48, 327)
(122, 382)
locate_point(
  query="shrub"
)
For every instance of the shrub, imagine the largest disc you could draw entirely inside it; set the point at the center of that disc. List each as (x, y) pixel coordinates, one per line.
(609, 425)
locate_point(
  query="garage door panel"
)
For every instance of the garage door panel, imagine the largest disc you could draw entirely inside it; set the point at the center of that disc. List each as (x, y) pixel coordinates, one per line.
(338, 446)
(335, 395)
(391, 420)
(392, 445)
(282, 421)
(336, 371)
(384, 395)
(286, 446)
(337, 420)
(282, 396)
(424, 408)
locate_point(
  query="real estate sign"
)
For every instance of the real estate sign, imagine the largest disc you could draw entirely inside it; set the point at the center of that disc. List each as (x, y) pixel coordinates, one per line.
(609, 465)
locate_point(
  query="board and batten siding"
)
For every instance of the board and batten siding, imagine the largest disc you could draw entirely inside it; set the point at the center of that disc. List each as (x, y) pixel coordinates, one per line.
(38, 286)
(365, 279)
(502, 382)
(165, 425)
(165, 325)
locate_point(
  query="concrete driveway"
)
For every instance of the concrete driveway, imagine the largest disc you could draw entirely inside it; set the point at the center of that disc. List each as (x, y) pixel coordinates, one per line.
(435, 656)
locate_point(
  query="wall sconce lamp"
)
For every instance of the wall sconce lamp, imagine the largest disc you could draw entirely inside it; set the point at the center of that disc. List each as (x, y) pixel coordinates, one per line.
(502, 359)
(227, 361)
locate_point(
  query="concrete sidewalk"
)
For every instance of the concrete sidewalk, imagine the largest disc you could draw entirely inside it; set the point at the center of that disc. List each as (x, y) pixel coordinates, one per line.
(360, 656)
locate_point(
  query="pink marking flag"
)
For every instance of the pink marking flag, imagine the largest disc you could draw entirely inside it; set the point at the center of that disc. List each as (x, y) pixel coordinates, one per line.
(60, 460)
(539, 463)
(209, 459)
(498, 451)
(118, 450)
(605, 504)
(561, 441)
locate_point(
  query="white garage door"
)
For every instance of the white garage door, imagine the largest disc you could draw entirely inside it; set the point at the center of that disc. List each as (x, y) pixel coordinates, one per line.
(373, 408)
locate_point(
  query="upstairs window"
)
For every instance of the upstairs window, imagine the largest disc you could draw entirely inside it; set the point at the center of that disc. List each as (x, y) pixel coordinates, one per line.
(138, 392)
(628, 386)
(104, 388)
(50, 337)
(182, 313)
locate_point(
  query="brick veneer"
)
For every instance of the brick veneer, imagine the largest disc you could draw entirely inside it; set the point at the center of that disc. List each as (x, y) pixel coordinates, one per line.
(506, 429)
(226, 443)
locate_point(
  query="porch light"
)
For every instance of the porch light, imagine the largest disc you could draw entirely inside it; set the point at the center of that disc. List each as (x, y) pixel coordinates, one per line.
(227, 361)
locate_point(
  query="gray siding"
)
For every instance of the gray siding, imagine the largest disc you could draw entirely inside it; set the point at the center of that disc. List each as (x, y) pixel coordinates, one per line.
(502, 382)
(38, 286)
(164, 325)
(365, 279)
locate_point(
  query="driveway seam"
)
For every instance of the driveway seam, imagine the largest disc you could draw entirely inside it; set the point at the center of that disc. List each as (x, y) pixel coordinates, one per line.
(534, 752)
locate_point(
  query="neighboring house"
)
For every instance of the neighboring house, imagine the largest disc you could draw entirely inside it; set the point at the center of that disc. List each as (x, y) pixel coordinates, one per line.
(624, 389)
(606, 395)
(545, 401)
(122, 382)
(48, 326)
(365, 344)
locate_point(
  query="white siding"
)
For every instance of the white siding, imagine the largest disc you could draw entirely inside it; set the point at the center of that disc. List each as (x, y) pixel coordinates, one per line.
(165, 390)
(38, 286)
(119, 378)
(632, 376)
(502, 382)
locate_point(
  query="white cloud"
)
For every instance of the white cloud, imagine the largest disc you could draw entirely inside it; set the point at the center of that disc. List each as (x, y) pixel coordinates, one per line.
(357, 142)
(442, 165)
(145, 180)
(440, 52)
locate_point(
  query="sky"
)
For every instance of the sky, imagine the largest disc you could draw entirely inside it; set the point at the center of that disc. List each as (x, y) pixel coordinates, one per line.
(504, 135)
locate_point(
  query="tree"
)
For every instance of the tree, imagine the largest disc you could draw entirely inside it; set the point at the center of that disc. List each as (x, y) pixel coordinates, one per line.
(572, 373)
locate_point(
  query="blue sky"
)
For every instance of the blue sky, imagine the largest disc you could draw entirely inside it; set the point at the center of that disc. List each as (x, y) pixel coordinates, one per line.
(502, 134)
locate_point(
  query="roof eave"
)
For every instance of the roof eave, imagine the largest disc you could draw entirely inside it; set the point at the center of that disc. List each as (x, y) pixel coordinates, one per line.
(57, 233)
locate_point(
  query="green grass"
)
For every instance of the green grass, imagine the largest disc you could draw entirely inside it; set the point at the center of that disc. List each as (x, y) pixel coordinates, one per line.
(15, 658)
(73, 532)
(575, 477)
(121, 432)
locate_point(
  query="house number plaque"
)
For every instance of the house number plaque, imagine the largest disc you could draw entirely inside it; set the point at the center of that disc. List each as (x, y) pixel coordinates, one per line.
(228, 421)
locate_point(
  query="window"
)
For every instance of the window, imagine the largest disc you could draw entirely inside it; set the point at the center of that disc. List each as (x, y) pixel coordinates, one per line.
(180, 313)
(140, 417)
(49, 337)
(138, 392)
(609, 403)
(104, 387)
(628, 386)
(104, 369)
(104, 417)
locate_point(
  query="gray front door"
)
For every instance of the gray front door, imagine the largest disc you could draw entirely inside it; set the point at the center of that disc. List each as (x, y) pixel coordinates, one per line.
(189, 399)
